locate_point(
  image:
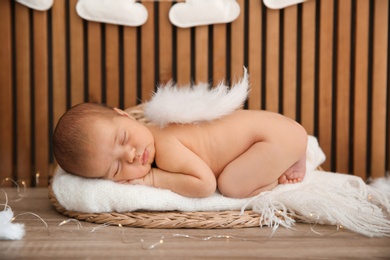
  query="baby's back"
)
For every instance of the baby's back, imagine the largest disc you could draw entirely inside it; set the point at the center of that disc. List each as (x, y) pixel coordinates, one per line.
(221, 141)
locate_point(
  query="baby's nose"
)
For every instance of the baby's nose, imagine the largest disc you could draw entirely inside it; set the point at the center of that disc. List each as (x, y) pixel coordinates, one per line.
(130, 154)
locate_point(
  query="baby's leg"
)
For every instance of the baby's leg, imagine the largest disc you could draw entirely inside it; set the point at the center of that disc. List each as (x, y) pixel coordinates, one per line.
(295, 173)
(257, 169)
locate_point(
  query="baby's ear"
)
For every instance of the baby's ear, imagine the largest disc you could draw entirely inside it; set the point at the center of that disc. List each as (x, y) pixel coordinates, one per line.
(122, 113)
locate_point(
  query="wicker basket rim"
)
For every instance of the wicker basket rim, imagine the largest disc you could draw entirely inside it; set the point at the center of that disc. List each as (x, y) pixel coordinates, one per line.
(164, 219)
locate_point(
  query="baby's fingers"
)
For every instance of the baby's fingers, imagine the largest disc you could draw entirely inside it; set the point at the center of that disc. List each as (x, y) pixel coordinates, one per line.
(123, 182)
(137, 181)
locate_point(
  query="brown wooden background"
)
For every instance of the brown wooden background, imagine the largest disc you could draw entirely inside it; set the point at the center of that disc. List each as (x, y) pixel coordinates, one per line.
(324, 63)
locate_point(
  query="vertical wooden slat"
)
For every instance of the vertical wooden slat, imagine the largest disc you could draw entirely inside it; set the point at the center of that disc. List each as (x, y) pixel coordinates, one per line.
(360, 91)
(23, 81)
(201, 54)
(41, 122)
(165, 43)
(272, 61)
(147, 53)
(130, 66)
(308, 65)
(388, 126)
(59, 59)
(219, 53)
(76, 55)
(112, 65)
(237, 44)
(6, 102)
(379, 87)
(290, 62)
(343, 85)
(94, 62)
(254, 56)
(183, 56)
(325, 79)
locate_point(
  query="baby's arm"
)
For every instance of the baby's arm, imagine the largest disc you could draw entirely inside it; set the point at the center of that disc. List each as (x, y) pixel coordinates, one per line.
(180, 170)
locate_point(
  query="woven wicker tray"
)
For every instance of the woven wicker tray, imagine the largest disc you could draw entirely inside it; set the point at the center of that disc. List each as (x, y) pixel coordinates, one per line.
(166, 219)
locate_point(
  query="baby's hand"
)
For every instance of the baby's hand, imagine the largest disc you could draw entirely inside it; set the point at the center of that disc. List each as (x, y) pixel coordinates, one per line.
(147, 180)
(140, 181)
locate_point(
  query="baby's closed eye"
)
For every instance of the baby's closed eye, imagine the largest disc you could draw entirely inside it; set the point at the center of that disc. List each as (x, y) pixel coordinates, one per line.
(117, 168)
(124, 137)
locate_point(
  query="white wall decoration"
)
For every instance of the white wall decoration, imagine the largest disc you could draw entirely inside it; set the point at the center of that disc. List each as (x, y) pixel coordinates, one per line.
(279, 4)
(203, 12)
(120, 12)
(40, 5)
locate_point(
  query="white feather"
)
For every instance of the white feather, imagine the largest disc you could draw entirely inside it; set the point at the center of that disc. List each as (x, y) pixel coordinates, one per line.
(185, 105)
(9, 230)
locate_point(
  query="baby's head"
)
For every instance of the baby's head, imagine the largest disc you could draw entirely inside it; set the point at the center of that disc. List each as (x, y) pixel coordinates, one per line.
(94, 141)
(72, 135)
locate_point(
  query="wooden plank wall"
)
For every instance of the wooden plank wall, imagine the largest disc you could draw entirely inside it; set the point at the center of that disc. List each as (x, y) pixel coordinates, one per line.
(322, 63)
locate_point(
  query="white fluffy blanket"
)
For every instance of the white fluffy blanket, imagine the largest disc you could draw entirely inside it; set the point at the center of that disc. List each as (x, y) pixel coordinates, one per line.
(322, 197)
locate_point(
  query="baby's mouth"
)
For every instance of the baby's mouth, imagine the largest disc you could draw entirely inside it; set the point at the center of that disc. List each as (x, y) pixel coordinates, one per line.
(144, 158)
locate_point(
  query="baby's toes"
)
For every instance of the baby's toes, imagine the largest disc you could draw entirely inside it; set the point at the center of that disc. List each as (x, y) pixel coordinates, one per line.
(283, 179)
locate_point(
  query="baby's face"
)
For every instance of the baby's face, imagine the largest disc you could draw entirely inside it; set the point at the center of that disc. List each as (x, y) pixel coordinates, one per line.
(122, 149)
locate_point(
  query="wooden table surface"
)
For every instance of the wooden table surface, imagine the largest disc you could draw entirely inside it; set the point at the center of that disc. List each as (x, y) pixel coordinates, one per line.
(64, 238)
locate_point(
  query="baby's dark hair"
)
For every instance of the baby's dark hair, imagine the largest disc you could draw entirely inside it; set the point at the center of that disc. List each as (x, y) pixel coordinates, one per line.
(71, 135)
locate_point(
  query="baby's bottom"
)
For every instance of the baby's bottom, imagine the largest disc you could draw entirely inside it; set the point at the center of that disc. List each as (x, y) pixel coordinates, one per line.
(261, 168)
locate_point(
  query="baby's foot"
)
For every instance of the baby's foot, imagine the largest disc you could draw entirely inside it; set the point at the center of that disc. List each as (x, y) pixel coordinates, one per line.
(291, 177)
(295, 173)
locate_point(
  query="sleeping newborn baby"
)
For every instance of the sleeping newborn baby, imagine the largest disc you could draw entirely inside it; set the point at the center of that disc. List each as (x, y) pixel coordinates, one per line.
(241, 154)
